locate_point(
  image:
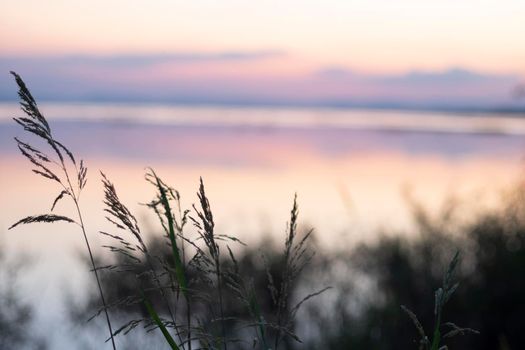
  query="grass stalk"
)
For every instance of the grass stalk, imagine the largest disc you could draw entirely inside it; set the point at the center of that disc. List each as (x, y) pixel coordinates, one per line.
(442, 296)
(108, 321)
(35, 123)
(207, 263)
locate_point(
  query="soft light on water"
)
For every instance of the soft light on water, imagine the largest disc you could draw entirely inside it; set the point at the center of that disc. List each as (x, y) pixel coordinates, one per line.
(349, 168)
(345, 165)
(260, 117)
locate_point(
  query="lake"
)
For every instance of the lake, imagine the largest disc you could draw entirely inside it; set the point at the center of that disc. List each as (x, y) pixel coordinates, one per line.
(351, 169)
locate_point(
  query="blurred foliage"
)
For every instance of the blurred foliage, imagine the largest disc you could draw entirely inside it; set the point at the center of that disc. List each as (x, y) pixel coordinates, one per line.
(15, 315)
(400, 270)
(255, 263)
(371, 281)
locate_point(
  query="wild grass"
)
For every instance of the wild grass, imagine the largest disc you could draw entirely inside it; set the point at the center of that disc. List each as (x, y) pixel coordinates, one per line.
(442, 296)
(193, 279)
(59, 165)
(186, 294)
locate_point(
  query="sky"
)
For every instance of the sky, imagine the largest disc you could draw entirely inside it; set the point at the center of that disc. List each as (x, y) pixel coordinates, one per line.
(351, 52)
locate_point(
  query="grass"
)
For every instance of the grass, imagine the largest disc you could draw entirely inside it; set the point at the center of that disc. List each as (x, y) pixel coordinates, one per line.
(196, 275)
(186, 294)
(442, 296)
(59, 165)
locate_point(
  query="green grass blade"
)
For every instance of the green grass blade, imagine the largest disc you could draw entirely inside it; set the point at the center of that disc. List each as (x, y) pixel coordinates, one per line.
(436, 339)
(155, 317)
(179, 269)
(254, 306)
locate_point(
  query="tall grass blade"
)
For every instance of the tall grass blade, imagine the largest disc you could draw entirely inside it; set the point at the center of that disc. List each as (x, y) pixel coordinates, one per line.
(179, 268)
(155, 317)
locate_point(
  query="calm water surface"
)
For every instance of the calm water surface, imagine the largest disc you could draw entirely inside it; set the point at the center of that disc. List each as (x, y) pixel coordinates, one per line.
(350, 169)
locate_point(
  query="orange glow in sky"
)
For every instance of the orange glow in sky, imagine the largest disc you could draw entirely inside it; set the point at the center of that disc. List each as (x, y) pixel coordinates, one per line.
(371, 36)
(412, 53)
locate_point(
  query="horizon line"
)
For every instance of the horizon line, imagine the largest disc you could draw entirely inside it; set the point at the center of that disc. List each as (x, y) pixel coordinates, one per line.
(423, 106)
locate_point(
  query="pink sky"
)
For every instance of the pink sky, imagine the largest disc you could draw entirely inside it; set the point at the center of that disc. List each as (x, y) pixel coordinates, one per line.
(463, 52)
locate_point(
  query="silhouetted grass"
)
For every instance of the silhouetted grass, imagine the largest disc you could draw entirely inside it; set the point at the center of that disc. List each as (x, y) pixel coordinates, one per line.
(442, 296)
(188, 288)
(59, 165)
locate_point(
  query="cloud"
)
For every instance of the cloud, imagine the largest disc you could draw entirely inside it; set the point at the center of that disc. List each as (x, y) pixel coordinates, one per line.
(449, 87)
(454, 75)
(334, 72)
(220, 78)
(136, 60)
(90, 76)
